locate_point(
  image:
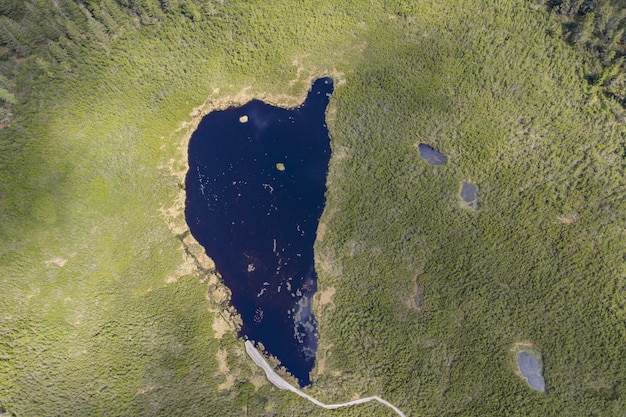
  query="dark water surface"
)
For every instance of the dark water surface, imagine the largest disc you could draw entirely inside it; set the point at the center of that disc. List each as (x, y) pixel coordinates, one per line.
(255, 193)
(469, 194)
(431, 155)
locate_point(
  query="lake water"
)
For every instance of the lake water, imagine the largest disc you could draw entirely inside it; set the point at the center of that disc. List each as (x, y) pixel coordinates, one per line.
(255, 193)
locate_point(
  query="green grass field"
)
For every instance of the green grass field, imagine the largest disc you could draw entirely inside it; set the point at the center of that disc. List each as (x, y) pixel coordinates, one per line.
(109, 307)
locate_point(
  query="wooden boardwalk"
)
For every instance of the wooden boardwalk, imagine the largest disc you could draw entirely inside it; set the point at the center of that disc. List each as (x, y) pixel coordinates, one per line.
(280, 383)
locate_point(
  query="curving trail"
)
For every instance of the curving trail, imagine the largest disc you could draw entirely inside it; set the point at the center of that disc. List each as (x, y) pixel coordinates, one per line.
(282, 384)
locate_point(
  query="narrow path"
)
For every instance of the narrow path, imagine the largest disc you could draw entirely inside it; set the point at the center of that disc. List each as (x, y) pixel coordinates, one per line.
(280, 383)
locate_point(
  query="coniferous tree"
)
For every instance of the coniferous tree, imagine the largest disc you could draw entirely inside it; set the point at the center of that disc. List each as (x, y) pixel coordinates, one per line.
(615, 39)
(603, 12)
(44, 21)
(189, 9)
(96, 30)
(610, 72)
(102, 16)
(71, 48)
(14, 37)
(12, 8)
(58, 54)
(169, 6)
(563, 7)
(119, 15)
(7, 97)
(584, 29)
(70, 10)
(574, 7)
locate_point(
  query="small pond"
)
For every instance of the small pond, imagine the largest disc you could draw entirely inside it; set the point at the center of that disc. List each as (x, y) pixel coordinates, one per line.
(255, 193)
(531, 368)
(469, 193)
(431, 155)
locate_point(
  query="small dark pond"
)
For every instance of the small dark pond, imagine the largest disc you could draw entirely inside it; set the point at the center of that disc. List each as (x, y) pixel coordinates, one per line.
(431, 156)
(255, 193)
(469, 193)
(531, 369)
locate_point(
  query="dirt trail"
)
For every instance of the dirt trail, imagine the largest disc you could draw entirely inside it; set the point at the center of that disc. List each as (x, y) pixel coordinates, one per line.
(282, 384)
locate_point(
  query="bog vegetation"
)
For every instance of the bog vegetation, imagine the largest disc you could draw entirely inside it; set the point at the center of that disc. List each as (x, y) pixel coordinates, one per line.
(105, 308)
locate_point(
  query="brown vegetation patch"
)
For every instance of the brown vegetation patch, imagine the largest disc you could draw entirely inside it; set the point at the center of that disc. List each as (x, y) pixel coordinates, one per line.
(222, 364)
(321, 364)
(355, 247)
(34, 292)
(327, 264)
(416, 299)
(145, 390)
(523, 345)
(186, 267)
(258, 381)
(326, 296)
(323, 298)
(321, 230)
(221, 327)
(568, 219)
(220, 294)
(60, 262)
(340, 152)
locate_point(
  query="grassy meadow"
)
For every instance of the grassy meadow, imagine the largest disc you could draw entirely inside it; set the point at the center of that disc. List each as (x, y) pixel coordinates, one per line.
(109, 307)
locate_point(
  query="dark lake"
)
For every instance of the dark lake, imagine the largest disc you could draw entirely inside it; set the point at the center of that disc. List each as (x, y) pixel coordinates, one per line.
(255, 193)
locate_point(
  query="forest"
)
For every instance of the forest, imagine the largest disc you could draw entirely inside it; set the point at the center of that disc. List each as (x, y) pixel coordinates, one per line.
(110, 307)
